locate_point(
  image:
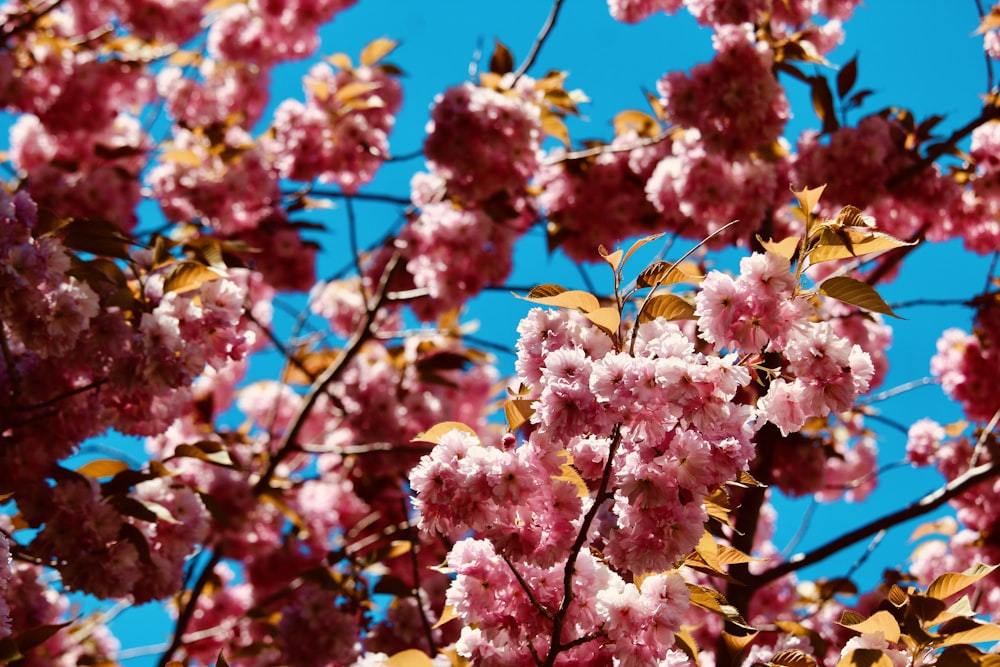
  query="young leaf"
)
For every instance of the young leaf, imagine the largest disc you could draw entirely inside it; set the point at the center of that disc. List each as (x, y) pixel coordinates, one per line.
(713, 601)
(846, 243)
(340, 61)
(669, 273)
(968, 631)
(433, 434)
(554, 127)
(502, 61)
(411, 657)
(355, 89)
(612, 258)
(183, 156)
(574, 299)
(880, 621)
(569, 474)
(518, 411)
(950, 583)
(668, 306)
(822, 100)
(637, 121)
(102, 468)
(865, 657)
(784, 248)
(809, 197)
(793, 658)
(846, 77)
(608, 319)
(541, 291)
(856, 293)
(376, 50)
(188, 275)
(447, 614)
(641, 242)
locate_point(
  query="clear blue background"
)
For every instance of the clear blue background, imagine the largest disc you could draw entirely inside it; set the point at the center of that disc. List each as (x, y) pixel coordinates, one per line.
(919, 54)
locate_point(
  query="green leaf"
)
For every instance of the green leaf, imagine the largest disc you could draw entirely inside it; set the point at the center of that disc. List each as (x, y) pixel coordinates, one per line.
(668, 306)
(856, 293)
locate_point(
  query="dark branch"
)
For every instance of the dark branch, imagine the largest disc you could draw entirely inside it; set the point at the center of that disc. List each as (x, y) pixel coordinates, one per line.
(928, 503)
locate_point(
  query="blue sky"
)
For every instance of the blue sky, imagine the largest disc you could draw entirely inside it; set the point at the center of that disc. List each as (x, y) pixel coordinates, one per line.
(924, 58)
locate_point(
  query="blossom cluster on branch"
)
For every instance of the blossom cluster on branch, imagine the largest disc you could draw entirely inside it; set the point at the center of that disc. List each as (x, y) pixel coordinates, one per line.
(355, 503)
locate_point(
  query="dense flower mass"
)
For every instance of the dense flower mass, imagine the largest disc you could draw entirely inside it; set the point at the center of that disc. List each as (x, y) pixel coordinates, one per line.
(327, 478)
(734, 101)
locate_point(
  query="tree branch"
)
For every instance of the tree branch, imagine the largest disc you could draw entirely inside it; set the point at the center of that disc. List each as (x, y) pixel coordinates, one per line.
(928, 503)
(543, 34)
(361, 334)
(189, 607)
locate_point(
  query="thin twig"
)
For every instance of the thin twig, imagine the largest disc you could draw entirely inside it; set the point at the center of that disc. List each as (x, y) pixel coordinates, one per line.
(601, 150)
(803, 528)
(928, 503)
(415, 562)
(361, 334)
(187, 613)
(986, 56)
(363, 196)
(555, 647)
(543, 34)
(896, 391)
(352, 234)
(977, 451)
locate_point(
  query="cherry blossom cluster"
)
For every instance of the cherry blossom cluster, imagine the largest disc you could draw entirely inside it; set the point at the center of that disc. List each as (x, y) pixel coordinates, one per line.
(329, 491)
(734, 101)
(34, 604)
(102, 366)
(221, 93)
(469, 219)
(757, 311)
(609, 187)
(229, 186)
(966, 364)
(795, 18)
(267, 32)
(654, 430)
(957, 544)
(340, 134)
